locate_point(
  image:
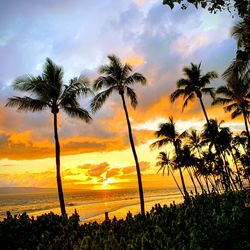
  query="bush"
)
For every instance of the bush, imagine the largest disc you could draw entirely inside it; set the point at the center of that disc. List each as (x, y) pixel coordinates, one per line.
(206, 222)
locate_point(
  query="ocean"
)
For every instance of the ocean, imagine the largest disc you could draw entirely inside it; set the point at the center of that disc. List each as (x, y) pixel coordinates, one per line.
(91, 205)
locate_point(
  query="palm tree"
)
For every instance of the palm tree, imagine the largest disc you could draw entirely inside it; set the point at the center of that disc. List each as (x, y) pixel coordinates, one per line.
(48, 91)
(241, 64)
(194, 85)
(164, 161)
(195, 141)
(167, 134)
(218, 137)
(188, 160)
(210, 166)
(236, 98)
(118, 77)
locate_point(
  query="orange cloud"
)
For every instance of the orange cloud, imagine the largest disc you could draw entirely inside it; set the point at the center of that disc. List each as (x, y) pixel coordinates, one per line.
(134, 60)
(98, 170)
(113, 172)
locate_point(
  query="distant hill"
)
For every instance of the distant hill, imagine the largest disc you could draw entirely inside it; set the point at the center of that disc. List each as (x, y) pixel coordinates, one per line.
(26, 190)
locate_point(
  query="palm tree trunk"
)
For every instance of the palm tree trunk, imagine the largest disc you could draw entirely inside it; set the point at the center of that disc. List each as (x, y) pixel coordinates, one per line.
(199, 181)
(135, 155)
(204, 111)
(237, 169)
(247, 130)
(181, 175)
(176, 182)
(214, 188)
(192, 179)
(58, 174)
(207, 185)
(214, 141)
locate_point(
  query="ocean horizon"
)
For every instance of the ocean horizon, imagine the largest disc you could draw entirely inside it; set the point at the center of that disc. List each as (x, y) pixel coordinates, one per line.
(91, 205)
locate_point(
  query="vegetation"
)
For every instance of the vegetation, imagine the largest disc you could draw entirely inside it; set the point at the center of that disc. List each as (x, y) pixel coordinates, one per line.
(205, 222)
(119, 78)
(167, 134)
(242, 6)
(48, 91)
(216, 160)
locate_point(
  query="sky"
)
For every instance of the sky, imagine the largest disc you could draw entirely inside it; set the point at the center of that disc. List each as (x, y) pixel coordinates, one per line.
(78, 35)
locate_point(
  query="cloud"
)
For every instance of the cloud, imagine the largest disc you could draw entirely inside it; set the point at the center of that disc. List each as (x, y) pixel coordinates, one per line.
(98, 170)
(113, 172)
(156, 41)
(131, 169)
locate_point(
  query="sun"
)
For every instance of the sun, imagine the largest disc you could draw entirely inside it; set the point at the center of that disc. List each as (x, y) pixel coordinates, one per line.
(106, 184)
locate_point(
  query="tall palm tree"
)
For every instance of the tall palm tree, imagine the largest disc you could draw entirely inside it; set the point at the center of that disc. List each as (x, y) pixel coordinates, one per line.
(119, 78)
(167, 134)
(235, 97)
(194, 85)
(164, 161)
(48, 91)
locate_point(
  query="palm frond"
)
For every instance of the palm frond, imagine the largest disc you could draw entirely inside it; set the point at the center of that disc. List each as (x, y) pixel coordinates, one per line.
(77, 112)
(127, 68)
(188, 99)
(176, 94)
(76, 87)
(26, 104)
(209, 91)
(104, 81)
(208, 77)
(220, 100)
(183, 83)
(100, 98)
(135, 78)
(224, 90)
(160, 143)
(133, 98)
(53, 74)
(35, 85)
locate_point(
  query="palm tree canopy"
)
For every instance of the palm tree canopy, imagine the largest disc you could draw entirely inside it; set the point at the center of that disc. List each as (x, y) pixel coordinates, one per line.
(186, 158)
(241, 32)
(235, 96)
(241, 64)
(194, 139)
(194, 84)
(167, 133)
(222, 135)
(48, 91)
(116, 77)
(164, 161)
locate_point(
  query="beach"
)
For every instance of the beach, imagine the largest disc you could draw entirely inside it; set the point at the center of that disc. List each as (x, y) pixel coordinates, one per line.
(91, 205)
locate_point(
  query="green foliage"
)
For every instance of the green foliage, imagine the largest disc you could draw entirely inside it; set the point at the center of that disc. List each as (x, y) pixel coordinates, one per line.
(206, 222)
(242, 6)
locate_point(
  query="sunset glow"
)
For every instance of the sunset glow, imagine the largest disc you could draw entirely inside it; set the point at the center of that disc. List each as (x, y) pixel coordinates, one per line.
(156, 41)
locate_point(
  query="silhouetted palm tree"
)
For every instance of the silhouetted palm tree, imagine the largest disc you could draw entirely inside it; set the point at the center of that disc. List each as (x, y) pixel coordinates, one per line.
(167, 134)
(210, 167)
(195, 141)
(236, 98)
(241, 64)
(211, 135)
(188, 160)
(164, 161)
(48, 91)
(194, 85)
(119, 78)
